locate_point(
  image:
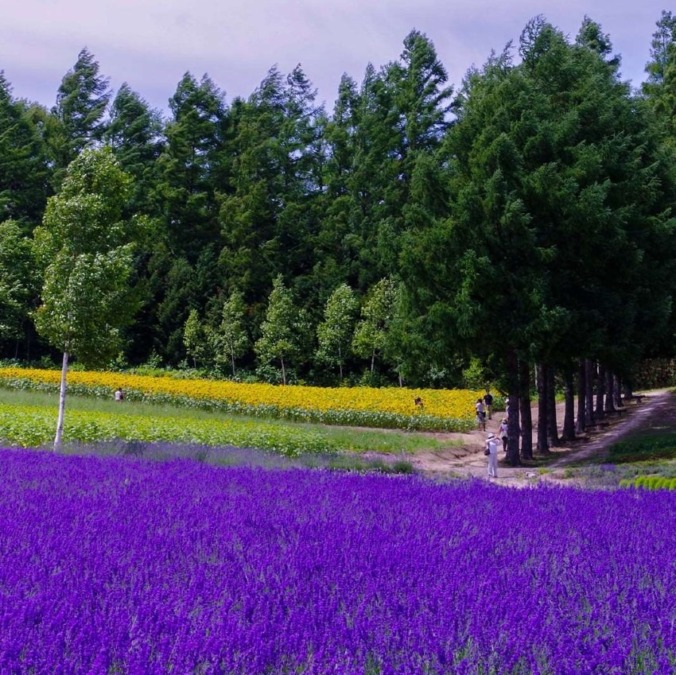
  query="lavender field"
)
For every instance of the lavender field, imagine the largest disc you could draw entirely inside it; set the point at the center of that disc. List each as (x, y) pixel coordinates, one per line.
(119, 565)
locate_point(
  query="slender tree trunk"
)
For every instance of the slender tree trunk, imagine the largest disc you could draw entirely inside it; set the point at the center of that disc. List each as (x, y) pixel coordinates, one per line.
(581, 421)
(62, 404)
(552, 422)
(569, 414)
(513, 429)
(232, 361)
(610, 392)
(283, 371)
(542, 444)
(373, 361)
(524, 405)
(600, 393)
(617, 391)
(589, 394)
(340, 362)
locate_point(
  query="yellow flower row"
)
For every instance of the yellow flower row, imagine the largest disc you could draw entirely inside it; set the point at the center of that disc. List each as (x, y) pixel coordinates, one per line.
(443, 403)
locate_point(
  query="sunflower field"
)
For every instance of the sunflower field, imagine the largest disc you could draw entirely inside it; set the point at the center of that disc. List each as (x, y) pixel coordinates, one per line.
(442, 409)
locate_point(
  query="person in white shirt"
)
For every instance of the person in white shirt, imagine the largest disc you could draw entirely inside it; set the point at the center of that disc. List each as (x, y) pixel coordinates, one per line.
(503, 433)
(480, 415)
(492, 447)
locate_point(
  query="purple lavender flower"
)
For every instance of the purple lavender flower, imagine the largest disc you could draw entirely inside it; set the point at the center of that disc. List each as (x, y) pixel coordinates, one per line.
(120, 564)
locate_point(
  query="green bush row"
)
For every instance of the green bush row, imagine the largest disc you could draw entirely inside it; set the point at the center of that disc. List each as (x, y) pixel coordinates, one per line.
(650, 483)
(33, 427)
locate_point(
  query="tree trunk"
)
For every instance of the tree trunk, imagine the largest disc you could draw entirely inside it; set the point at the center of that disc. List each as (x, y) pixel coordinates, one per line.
(610, 393)
(600, 393)
(581, 422)
(524, 405)
(513, 429)
(373, 361)
(232, 361)
(569, 414)
(283, 372)
(552, 422)
(589, 394)
(62, 404)
(542, 443)
(617, 391)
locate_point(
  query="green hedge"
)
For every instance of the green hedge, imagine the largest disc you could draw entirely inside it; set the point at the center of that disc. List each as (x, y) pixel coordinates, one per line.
(649, 483)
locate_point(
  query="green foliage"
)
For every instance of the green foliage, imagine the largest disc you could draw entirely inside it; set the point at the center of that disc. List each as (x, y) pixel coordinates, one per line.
(80, 109)
(18, 279)
(649, 483)
(538, 226)
(85, 298)
(281, 330)
(33, 427)
(230, 340)
(189, 166)
(370, 335)
(195, 337)
(86, 249)
(134, 133)
(334, 334)
(23, 160)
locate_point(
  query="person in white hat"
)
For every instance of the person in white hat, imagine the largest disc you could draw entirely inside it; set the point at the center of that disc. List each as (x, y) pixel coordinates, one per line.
(492, 448)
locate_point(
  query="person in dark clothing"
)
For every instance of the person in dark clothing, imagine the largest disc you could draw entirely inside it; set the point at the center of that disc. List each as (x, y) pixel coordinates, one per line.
(488, 402)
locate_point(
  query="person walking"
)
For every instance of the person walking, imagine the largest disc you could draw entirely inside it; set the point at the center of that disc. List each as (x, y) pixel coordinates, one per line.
(480, 414)
(503, 433)
(492, 450)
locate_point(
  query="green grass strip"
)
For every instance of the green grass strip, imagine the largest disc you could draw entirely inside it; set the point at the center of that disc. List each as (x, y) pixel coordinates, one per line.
(29, 419)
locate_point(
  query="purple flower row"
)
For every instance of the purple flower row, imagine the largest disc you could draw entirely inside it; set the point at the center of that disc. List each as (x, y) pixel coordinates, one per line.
(132, 566)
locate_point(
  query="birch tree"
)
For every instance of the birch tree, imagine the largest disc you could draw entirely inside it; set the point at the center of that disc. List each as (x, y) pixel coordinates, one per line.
(86, 250)
(281, 329)
(230, 338)
(335, 332)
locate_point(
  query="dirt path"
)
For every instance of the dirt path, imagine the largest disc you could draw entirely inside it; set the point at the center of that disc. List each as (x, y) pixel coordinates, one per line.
(469, 460)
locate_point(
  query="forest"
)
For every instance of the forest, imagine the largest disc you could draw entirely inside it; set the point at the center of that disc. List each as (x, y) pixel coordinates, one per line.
(420, 234)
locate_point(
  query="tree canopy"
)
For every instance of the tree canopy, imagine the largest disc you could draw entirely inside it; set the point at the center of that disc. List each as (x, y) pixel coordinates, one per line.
(523, 217)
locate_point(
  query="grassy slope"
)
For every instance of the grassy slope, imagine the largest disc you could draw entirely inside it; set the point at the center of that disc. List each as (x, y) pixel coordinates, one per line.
(647, 451)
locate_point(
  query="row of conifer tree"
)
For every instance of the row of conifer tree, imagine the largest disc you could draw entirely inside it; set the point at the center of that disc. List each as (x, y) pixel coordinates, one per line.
(416, 233)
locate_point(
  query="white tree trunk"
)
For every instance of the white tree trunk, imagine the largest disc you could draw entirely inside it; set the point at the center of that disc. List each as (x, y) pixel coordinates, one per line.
(62, 404)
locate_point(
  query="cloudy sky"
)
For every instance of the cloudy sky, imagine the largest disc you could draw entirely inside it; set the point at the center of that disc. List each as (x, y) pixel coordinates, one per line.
(151, 43)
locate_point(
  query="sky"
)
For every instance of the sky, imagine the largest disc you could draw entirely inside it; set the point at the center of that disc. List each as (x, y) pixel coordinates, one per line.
(150, 44)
